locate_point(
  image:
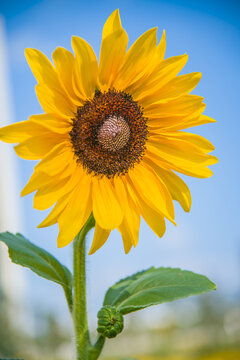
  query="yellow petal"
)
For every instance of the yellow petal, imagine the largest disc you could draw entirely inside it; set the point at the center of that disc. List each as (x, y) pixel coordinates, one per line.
(179, 86)
(45, 74)
(193, 121)
(37, 180)
(106, 208)
(166, 70)
(151, 63)
(57, 160)
(129, 228)
(202, 144)
(128, 238)
(152, 217)
(176, 186)
(76, 213)
(53, 216)
(206, 119)
(100, 237)
(154, 220)
(136, 58)
(147, 92)
(181, 156)
(52, 122)
(87, 67)
(183, 106)
(42, 68)
(112, 24)
(53, 101)
(37, 147)
(153, 191)
(113, 49)
(161, 48)
(47, 195)
(179, 150)
(20, 131)
(65, 63)
(127, 243)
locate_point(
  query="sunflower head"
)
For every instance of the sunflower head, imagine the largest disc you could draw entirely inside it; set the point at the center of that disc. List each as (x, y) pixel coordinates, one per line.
(108, 134)
(112, 135)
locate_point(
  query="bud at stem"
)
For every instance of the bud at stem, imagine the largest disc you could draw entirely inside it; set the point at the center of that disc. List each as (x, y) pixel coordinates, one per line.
(110, 321)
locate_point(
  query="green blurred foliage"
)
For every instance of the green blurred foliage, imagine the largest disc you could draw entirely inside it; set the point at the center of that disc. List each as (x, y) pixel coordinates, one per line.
(8, 337)
(214, 334)
(16, 343)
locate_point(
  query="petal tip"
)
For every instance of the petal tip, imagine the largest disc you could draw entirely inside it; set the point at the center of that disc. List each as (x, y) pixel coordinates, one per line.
(163, 35)
(23, 193)
(42, 224)
(91, 252)
(187, 208)
(61, 243)
(215, 159)
(30, 52)
(116, 12)
(197, 75)
(27, 51)
(127, 251)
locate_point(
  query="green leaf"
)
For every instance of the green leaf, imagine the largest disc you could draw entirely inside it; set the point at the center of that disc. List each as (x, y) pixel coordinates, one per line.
(155, 286)
(114, 291)
(24, 253)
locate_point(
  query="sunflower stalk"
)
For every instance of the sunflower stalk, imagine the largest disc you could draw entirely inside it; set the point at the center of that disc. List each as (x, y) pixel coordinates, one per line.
(83, 344)
(96, 349)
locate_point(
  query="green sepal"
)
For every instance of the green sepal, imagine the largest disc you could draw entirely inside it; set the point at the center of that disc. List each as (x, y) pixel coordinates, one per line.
(155, 286)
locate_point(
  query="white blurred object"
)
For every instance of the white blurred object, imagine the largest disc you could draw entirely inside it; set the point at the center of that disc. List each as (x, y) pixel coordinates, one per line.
(12, 277)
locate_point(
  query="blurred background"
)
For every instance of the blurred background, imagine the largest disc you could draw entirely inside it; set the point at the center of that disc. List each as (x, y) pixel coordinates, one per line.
(34, 320)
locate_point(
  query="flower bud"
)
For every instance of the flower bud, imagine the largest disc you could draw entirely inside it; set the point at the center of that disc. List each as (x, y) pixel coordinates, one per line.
(110, 321)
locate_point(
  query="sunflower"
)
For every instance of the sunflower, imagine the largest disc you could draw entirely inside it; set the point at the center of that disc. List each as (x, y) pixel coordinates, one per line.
(110, 140)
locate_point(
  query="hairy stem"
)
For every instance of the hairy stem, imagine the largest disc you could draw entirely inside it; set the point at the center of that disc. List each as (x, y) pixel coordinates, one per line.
(68, 296)
(79, 297)
(96, 349)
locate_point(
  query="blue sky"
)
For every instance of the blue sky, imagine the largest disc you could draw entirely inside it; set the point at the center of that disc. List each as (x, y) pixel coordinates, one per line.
(207, 239)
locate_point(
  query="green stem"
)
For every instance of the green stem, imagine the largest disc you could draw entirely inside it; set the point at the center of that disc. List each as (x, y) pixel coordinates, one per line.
(96, 349)
(79, 298)
(68, 296)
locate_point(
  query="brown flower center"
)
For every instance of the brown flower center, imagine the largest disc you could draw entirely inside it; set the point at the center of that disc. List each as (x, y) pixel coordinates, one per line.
(114, 133)
(108, 134)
